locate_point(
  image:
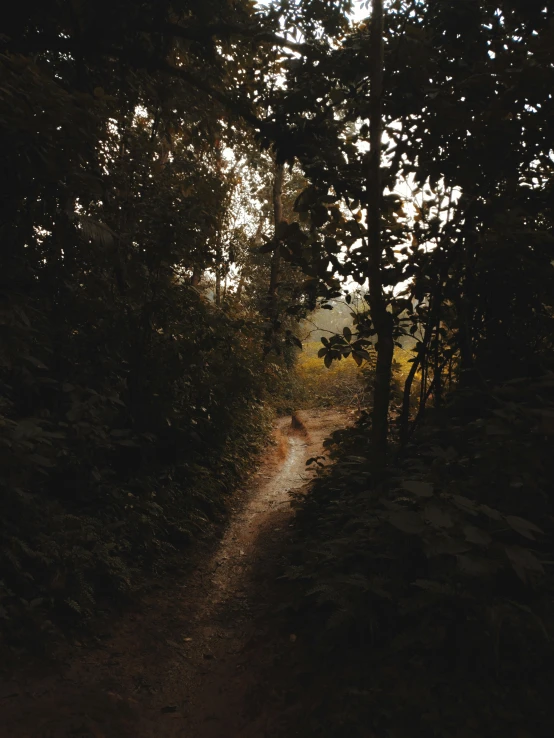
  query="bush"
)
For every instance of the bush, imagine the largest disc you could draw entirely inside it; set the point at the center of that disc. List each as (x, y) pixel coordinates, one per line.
(343, 384)
(110, 464)
(431, 597)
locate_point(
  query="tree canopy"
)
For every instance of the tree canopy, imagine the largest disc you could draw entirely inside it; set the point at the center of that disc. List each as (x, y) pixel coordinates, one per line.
(184, 184)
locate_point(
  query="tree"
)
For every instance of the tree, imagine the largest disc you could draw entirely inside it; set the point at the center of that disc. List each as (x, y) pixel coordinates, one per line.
(439, 209)
(382, 319)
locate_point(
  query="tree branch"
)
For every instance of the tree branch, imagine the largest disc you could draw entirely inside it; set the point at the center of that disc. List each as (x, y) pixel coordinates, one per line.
(42, 42)
(235, 106)
(230, 29)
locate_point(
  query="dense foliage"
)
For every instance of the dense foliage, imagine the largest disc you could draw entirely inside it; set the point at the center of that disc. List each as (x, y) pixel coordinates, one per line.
(428, 588)
(136, 382)
(430, 599)
(183, 184)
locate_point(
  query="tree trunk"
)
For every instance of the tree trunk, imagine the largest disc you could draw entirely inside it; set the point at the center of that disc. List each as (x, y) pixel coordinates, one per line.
(464, 305)
(404, 419)
(437, 373)
(196, 276)
(464, 340)
(421, 359)
(218, 259)
(382, 319)
(277, 219)
(240, 286)
(217, 287)
(275, 267)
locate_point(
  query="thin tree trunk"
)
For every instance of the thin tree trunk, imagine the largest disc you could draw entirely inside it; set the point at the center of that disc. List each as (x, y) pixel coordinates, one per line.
(382, 319)
(404, 419)
(450, 366)
(423, 388)
(437, 374)
(421, 408)
(240, 286)
(275, 267)
(257, 242)
(196, 276)
(421, 360)
(464, 341)
(218, 258)
(277, 219)
(217, 287)
(463, 306)
(259, 231)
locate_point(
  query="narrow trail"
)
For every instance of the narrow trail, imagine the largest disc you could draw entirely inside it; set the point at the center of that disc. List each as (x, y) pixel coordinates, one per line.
(195, 660)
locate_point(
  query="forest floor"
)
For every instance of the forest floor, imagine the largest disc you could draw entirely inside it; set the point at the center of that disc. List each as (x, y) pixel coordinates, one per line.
(202, 655)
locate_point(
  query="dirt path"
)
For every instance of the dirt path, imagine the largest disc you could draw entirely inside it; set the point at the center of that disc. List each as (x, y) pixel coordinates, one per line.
(193, 662)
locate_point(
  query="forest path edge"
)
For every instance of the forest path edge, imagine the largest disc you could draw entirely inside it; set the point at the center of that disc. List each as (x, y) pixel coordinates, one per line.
(190, 661)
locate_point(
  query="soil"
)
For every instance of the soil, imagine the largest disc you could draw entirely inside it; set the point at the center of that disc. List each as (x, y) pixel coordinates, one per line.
(203, 654)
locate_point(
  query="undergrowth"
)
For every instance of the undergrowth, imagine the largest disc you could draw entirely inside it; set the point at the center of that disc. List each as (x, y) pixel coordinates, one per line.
(107, 473)
(343, 384)
(427, 601)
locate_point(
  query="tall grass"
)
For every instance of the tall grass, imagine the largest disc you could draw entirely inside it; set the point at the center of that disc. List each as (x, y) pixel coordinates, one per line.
(343, 384)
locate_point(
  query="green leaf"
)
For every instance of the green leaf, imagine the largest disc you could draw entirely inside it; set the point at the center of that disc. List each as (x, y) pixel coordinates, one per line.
(430, 586)
(417, 487)
(523, 527)
(34, 361)
(305, 199)
(446, 545)
(476, 535)
(438, 517)
(490, 512)
(40, 460)
(523, 560)
(465, 504)
(27, 428)
(267, 247)
(406, 521)
(319, 215)
(336, 96)
(95, 230)
(476, 566)
(281, 229)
